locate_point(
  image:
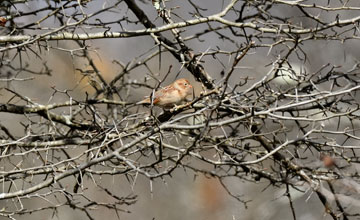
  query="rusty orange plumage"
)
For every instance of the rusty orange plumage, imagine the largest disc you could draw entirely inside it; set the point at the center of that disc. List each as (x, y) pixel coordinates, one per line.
(171, 95)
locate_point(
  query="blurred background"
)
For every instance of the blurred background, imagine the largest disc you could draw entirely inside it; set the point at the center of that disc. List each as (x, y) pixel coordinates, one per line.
(186, 194)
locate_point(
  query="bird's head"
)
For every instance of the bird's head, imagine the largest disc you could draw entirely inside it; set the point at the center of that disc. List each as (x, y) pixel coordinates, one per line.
(183, 85)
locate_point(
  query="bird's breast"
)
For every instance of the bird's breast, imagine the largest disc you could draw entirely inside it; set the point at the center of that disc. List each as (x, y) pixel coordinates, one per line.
(170, 98)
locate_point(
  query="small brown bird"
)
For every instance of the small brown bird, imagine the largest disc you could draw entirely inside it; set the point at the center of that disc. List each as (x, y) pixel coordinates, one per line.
(170, 95)
(328, 161)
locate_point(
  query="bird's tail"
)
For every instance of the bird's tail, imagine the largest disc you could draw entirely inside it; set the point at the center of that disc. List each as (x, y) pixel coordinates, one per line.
(145, 101)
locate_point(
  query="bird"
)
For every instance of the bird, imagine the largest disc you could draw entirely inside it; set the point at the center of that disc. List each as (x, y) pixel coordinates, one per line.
(328, 161)
(171, 95)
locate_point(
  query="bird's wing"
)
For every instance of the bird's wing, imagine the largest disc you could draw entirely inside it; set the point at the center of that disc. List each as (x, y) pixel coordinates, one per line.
(158, 95)
(163, 93)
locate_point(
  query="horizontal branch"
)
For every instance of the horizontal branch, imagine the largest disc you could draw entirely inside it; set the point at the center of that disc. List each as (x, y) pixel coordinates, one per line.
(42, 111)
(75, 36)
(269, 111)
(147, 31)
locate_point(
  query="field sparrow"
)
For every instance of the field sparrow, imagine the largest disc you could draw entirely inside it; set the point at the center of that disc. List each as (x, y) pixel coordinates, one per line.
(170, 95)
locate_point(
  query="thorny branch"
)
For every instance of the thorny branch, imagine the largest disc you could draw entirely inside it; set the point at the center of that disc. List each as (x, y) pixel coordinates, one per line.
(289, 126)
